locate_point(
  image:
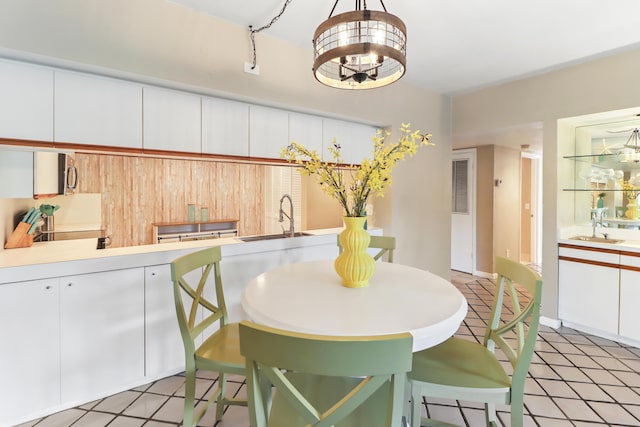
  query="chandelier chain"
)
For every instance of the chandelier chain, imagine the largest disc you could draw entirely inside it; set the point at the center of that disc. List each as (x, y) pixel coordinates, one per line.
(253, 32)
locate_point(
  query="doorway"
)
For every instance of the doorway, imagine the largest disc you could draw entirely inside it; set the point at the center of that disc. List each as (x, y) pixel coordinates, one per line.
(463, 208)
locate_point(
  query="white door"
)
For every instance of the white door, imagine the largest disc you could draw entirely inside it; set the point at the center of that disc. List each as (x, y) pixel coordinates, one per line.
(463, 218)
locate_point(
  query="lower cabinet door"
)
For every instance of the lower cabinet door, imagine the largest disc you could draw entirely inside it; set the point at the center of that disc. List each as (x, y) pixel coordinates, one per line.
(102, 333)
(163, 344)
(29, 349)
(589, 295)
(629, 297)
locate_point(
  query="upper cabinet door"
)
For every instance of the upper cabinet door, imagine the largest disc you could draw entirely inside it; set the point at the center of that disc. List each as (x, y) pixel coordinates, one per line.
(172, 120)
(26, 101)
(306, 129)
(362, 142)
(225, 127)
(97, 110)
(354, 140)
(340, 131)
(268, 131)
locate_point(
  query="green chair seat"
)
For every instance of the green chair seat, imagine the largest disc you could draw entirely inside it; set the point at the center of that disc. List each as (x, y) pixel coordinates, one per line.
(223, 347)
(462, 363)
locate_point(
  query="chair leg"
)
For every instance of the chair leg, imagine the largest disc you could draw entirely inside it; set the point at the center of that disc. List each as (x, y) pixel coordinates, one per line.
(221, 397)
(517, 411)
(416, 402)
(490, 414)
(189, 398)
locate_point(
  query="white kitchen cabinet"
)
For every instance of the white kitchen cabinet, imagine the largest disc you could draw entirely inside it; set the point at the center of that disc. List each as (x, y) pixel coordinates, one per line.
(354, 139)
(589, 293)
(96, 110)
(225, 127)
(362, 142)
(268, 131)
(172, 120)
(306, 129)
(30, 343)
(102, 332)
(16, 174)
(629, 297)
(164, 351)
(26, 104)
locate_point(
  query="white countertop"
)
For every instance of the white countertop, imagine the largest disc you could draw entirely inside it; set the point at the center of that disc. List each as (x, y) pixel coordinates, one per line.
(624, 245)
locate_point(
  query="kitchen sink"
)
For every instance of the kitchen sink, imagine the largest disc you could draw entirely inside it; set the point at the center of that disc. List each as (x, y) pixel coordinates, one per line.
(595, 239)
(271, 237)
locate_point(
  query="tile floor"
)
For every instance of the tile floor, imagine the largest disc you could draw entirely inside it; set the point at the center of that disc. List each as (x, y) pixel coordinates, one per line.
(575, 380)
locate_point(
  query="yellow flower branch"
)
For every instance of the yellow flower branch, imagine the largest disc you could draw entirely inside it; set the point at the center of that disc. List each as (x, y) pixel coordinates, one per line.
(370, 178)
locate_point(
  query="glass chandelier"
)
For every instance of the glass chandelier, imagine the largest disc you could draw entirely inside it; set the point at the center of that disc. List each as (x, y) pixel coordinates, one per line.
(362, 49)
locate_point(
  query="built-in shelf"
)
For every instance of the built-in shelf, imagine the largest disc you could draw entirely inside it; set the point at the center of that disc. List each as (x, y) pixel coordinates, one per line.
(625, 161)
(621, 163)
(168, 232)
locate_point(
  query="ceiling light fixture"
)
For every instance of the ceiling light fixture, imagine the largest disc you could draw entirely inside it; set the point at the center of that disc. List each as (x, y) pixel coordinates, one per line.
(363, 49)
(634, 140)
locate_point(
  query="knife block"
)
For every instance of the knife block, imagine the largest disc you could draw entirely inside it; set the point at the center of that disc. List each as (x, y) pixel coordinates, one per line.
(19, 238)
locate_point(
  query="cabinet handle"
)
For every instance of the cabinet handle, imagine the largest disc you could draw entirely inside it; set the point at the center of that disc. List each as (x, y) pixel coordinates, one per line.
(153, 274)
(48, 287)
(69, 284)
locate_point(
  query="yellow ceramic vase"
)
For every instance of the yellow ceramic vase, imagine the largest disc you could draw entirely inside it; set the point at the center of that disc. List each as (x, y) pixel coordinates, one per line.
(354, 265)
(632, 210)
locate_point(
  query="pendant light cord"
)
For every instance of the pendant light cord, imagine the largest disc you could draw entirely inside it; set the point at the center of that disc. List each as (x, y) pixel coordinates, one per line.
(252, 32)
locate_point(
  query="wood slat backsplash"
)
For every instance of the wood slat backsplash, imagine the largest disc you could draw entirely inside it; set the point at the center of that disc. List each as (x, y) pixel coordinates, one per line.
(139, 191)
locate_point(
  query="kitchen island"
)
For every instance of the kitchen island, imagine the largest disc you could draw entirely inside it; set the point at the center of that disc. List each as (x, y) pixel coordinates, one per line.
(81, 323)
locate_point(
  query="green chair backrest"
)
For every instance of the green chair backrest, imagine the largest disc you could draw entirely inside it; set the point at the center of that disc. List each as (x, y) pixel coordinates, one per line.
(373, 361)
(200, 264)
(502, 327)
(386, 244)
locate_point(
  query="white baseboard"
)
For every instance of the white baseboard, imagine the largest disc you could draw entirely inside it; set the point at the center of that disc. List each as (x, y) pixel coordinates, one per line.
(485, 275)
(602, 334)
(552, 323)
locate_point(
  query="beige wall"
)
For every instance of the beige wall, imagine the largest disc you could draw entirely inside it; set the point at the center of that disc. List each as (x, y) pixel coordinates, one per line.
(498, 206)
(160, 41)
(484, 209)
(600, 85)
(506, 204)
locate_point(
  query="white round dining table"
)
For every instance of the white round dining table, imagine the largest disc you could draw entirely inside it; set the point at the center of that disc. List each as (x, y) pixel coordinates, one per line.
(308, 297)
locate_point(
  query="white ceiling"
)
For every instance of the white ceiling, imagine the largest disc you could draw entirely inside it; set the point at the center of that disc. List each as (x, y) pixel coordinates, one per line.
(457, 46)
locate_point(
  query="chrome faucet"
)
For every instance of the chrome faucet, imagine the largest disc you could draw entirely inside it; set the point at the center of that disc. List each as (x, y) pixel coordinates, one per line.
(282, 214)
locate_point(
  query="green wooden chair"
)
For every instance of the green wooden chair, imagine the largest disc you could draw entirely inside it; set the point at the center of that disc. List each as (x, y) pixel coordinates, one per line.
(219, 352)
(465, 370)
(324, 381)
(386, 244)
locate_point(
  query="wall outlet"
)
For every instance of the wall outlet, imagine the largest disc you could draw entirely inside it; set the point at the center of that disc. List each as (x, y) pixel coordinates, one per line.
(508, 253)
